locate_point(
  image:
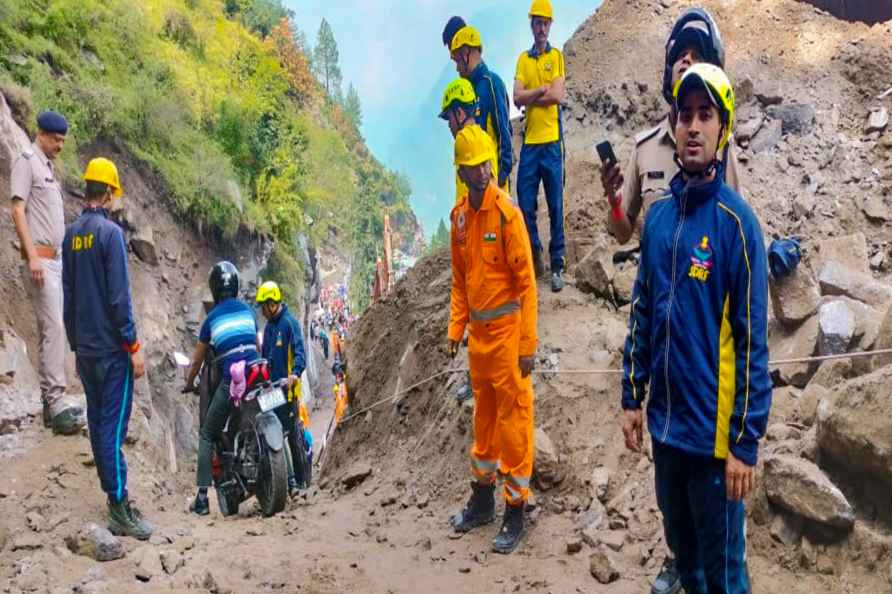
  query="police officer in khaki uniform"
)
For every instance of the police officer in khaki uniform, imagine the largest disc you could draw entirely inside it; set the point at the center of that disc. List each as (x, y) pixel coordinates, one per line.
(695, 38)
(39, 220)
(652, 165)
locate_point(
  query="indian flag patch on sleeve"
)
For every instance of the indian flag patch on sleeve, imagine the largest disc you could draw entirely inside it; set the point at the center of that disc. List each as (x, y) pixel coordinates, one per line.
(489, 237)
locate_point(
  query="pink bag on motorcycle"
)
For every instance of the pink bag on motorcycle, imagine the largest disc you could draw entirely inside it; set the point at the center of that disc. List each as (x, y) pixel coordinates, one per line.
(238, 384)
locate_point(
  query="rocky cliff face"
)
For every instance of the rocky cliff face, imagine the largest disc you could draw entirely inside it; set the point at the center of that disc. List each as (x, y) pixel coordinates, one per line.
(169, 263)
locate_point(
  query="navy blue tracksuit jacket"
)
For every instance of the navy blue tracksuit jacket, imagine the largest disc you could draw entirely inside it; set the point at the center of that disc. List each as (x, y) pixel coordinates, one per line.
(698, 339)
(494, 116)
(283, 345)
(99, 323)
(699, 324)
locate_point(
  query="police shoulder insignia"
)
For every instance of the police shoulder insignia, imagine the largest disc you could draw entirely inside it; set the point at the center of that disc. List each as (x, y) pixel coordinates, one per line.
(28, 153)
(701, 261)
(643, 137)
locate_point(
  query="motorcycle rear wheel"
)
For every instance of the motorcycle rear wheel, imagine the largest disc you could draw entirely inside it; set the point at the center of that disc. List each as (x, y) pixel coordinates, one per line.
(272, 488)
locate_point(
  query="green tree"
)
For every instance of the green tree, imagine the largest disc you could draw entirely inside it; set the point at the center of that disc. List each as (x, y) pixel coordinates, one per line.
(353, 107)
(326, 61)
(439, 239)
(262, 15)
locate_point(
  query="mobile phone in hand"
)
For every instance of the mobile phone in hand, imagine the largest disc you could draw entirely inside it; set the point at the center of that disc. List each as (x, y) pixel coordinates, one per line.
(605, 152)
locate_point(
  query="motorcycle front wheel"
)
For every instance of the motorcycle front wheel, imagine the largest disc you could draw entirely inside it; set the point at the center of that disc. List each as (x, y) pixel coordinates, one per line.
(272, 488)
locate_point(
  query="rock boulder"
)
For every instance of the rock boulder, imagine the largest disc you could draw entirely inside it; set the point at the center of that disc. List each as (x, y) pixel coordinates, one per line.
(546, 466)
(836, 279)
(795, 298)
(95, 542)
(800, 487)
(602, 567)
(849, 250)
(796, 118)
(594, 274)
(797, 344)
(855, 428)
(837, 328)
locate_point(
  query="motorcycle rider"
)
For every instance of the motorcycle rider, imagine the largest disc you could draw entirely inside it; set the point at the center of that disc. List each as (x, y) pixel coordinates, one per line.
(283, 348)
(231, 331)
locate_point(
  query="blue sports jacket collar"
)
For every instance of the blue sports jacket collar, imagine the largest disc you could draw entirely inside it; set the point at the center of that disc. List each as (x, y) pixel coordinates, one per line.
(534, 53)
(479, 72)
(96, 210)
(278, 316)
(699, 192)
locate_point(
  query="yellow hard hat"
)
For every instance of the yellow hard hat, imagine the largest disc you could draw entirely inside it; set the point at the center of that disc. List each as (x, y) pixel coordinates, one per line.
(269, 291)
(459, 91)
(472, 146)
(102, 170)
(467, 35)
(541, 8)
(718, 87)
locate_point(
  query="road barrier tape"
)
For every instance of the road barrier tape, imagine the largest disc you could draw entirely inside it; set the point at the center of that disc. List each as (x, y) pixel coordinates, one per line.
(814, 359)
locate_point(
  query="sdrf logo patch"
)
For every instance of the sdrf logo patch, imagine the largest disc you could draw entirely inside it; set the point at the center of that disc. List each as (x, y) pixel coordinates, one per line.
(701, 261)
(461, 231)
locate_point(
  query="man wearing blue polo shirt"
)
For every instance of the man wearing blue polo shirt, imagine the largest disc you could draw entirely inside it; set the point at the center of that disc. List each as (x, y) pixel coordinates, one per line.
(231, 331)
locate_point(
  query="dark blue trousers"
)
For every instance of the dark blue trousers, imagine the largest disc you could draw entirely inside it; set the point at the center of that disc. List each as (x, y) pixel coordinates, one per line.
(108, 383)
(706, 531)
(543, 163)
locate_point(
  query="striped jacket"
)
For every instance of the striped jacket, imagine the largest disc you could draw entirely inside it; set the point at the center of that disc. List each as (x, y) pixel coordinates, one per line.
(698, 327)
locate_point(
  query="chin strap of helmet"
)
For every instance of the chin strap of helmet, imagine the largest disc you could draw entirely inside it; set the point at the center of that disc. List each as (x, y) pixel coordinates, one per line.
(710, 169)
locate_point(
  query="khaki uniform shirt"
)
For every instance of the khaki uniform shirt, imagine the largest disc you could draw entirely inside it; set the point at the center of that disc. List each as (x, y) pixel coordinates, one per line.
(33, 180)
(652, 166)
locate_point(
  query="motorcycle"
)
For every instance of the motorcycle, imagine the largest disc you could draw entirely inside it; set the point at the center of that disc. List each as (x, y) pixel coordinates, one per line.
(250, 454)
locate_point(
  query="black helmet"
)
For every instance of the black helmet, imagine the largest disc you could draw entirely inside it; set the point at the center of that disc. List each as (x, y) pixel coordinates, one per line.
(223, 281)
(694, 28)
(452, 27)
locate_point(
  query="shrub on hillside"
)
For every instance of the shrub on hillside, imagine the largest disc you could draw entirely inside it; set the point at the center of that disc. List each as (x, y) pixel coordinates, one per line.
(178, 28)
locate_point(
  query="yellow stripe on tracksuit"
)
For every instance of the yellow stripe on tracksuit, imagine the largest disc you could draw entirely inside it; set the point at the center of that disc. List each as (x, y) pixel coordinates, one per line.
(727, 383)
(632, 357)
(749, 325)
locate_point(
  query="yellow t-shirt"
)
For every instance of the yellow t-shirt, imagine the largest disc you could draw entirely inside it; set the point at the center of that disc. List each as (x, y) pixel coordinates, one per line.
(542, 123)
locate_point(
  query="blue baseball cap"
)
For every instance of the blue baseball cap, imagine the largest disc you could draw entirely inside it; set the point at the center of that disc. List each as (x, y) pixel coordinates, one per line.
(52, 122)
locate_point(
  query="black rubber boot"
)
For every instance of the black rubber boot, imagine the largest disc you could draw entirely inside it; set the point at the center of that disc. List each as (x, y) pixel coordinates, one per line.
(512, 530)
(538, 264)
(200, 506)
(480, 510)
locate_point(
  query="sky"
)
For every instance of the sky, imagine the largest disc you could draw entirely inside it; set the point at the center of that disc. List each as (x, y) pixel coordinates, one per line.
(391, 50)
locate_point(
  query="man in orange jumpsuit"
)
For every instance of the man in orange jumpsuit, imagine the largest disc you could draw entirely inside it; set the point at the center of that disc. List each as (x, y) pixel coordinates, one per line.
(494, 289)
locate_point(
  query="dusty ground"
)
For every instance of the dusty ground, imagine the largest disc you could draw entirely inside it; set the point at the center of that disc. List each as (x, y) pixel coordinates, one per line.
(390, 533)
